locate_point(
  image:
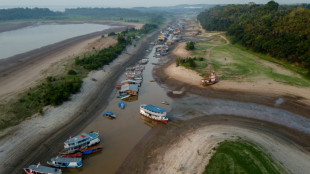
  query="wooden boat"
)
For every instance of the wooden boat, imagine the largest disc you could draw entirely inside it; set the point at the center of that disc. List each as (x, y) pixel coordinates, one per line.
(212, 79)
(154, 113)
(91, 150)
(72, 155)
(80, 141)
(109, 114)
(39, 169)
(63, 162)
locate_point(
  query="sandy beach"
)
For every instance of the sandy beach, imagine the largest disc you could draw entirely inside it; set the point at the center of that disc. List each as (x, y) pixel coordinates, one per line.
(39, 134)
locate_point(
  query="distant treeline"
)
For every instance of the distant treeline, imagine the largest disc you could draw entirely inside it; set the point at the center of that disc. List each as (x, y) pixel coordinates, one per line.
(80, 13)
(281, 31)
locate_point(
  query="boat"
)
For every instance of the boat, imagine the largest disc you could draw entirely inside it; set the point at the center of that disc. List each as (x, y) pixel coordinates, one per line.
(39, 169)
(165, 102)
(143, 61)
(91, 150)
(109, 114)
(212, 79)
(122, 104)
(154, 113)
(63, 162)
(72, 155)
(81, 141)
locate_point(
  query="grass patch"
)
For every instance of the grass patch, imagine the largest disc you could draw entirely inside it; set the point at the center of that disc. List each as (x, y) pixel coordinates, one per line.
(234, 157)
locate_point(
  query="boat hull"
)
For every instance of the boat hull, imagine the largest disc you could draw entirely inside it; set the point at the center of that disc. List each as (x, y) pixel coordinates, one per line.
(162, 121)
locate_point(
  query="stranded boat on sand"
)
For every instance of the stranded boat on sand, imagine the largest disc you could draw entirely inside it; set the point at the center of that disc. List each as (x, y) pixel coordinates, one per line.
(109, 114)
(154, 113)
(39, 169)
(65, 162)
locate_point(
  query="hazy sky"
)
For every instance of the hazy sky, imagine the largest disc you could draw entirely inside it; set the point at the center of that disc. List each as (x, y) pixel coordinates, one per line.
(130, 3)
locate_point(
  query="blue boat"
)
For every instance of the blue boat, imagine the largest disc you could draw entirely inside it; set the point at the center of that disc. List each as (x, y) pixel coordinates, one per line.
(91, 150)
(109, 114)
(122, 104)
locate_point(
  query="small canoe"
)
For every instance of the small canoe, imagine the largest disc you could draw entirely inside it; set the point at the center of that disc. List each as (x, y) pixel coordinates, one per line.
(91, 150)
(109, 114)
(122, 105)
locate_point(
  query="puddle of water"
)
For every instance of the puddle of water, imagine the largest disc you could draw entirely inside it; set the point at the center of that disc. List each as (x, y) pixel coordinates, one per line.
(119, 136)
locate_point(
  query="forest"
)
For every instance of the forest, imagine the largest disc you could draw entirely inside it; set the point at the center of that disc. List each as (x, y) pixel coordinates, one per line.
(128, 15)
(282, 31)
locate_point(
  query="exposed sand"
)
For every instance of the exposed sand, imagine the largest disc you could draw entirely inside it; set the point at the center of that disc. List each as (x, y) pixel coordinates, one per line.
(180, 50)
(15, 82)
(190, 154)
(37, 134)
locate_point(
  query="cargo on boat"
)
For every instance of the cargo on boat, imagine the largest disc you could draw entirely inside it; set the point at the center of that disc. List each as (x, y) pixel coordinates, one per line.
(65, 162)
(212, 79)
(39, 169)
(154, 113)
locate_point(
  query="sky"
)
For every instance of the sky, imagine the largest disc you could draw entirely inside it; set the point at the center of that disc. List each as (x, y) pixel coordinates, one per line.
(129, 3)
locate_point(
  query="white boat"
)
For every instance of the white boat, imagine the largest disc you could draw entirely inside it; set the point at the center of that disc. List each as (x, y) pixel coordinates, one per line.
(154, 113)
(65, 162)
(82, 140)
(39, 169)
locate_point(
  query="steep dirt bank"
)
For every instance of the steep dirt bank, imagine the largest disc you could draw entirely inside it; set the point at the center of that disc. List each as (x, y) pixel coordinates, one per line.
(72, 116)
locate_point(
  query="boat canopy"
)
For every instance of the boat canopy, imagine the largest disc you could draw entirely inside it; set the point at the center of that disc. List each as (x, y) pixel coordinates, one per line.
(110, 112)
(44, 169)
(66, 160)
(154, 108)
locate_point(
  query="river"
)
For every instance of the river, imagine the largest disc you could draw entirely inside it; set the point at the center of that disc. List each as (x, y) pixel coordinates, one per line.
(26, 39)
(119, 136)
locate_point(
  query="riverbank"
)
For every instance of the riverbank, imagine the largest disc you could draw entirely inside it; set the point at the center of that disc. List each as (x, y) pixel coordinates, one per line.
(26, 145)
(273, 117)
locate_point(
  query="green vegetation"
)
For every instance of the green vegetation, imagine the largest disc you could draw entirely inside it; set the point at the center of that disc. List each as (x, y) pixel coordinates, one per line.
(234, 157)
(234, 62)
(190, 46)
(280, 31)
(55, 90)
(112, 34)
(118, 14)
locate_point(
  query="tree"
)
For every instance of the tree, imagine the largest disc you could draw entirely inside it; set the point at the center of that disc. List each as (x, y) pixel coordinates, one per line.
(190, 45)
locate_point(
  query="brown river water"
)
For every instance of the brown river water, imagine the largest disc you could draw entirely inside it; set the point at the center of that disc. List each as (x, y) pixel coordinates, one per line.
(119, 136)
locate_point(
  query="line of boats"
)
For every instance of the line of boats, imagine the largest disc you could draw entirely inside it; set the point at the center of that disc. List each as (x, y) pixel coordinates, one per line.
(71, 156)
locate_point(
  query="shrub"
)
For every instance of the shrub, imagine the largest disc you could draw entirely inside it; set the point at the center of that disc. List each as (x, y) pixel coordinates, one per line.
(71, 72)
(190, 46)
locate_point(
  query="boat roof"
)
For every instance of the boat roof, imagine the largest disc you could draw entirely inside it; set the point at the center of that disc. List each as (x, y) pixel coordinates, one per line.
(81, 137)
(154, 108)
(133, 87)
(44, 169)
(110, 112)
(66, 159)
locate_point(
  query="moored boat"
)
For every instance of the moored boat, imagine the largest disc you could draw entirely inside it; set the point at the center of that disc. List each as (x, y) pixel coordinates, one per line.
(154, 113)
(64, 162)
(91, 150)
(122, 105)
(80, 141)
(39, 169)
(72, 155)
(109, 114)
